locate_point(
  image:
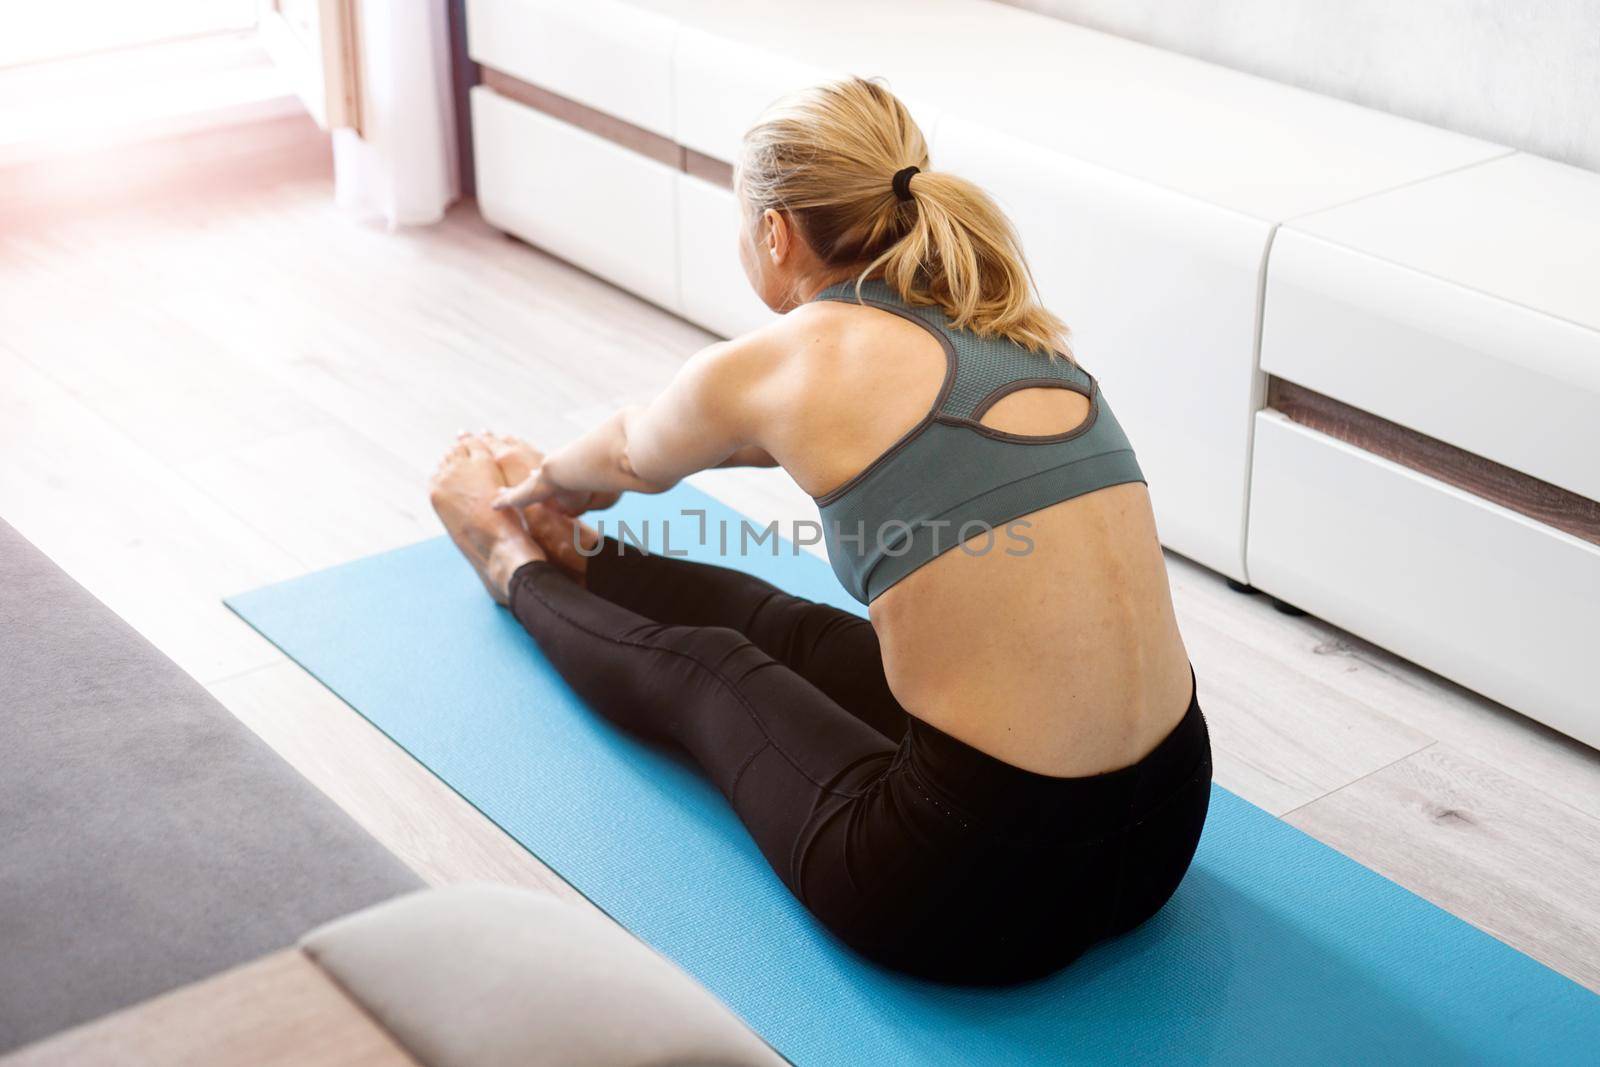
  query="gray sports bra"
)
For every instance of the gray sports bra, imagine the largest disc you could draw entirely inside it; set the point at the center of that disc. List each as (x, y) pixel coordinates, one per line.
(951, 479)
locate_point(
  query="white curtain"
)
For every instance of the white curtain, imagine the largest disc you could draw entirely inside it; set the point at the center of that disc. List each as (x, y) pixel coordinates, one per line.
(402, 170)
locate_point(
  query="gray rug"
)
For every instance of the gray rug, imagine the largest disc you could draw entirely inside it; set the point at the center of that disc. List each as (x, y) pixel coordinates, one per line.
(147, 838)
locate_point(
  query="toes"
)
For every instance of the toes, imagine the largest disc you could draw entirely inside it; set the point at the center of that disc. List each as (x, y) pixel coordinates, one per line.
(476, 447)
(505, 446)
(450, 460)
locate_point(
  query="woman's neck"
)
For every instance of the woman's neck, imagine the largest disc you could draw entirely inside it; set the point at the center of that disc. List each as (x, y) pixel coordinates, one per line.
(808, 288)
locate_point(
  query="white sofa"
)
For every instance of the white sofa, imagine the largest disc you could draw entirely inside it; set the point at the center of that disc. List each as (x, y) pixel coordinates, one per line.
(1465, 308)
(1156, 196)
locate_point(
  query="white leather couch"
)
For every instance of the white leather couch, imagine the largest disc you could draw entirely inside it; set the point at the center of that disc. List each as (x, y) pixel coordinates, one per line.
(1465, 308)
(1168, 207)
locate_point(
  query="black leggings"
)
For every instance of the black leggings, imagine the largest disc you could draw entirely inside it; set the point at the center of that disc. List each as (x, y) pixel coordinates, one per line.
(912, 847)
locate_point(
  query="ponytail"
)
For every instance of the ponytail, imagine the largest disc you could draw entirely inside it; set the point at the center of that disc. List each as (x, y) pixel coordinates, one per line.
(836, 158)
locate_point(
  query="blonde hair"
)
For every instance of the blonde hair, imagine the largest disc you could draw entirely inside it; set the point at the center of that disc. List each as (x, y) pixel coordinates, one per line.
(827, 157)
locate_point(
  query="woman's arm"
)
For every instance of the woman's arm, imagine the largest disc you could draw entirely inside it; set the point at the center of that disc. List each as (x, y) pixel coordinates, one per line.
(707, 416)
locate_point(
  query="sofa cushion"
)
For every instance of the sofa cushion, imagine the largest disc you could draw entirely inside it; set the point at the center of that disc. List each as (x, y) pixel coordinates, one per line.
(147, 838)
(1251, 145)
(489, 976)
(1464, 307)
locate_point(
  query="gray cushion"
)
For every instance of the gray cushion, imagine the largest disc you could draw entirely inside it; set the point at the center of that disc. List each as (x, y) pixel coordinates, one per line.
(488, 976)
(147, 838)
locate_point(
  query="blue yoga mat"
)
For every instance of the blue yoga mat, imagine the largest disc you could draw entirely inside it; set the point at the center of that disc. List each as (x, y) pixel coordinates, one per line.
(1276, 949)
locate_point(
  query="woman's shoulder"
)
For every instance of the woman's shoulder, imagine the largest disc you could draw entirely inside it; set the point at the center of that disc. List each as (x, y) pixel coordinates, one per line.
(774, 360)
(809, 333)
(824, 350)
(829, 330)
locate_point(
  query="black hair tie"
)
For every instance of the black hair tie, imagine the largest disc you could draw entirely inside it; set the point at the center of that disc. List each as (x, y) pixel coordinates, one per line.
(902, 182)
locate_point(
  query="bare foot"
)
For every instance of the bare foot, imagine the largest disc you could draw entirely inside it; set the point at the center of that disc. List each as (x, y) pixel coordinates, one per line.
(494, 542)
(564, 539)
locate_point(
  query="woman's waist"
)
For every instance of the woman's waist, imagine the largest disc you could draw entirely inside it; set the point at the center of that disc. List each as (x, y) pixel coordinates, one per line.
(1040, 701)
(978, 786)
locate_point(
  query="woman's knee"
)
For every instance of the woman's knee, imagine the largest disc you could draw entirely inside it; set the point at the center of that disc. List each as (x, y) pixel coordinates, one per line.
(722, 651)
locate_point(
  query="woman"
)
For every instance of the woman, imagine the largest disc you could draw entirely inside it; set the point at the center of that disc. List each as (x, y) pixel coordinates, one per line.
(1005, 765)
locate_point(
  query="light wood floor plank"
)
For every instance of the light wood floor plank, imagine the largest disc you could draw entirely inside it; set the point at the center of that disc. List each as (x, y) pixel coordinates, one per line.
(146, 542)
(324, 495)
(178, 391)
(1344, 681)
(1480, 844)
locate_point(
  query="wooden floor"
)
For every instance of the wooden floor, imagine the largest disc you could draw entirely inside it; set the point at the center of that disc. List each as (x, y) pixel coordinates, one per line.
(279, 1009)
(210, 380)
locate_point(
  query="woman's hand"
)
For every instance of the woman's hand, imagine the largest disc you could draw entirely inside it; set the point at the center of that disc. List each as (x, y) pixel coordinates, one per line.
(595, 502)
(539, 488)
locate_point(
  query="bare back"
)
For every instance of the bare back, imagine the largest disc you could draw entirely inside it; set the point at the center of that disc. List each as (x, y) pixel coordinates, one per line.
(1064, 659)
